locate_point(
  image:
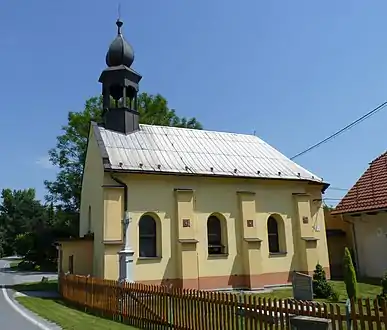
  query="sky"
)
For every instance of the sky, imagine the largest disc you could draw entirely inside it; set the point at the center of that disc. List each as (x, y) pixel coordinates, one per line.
(293, 72)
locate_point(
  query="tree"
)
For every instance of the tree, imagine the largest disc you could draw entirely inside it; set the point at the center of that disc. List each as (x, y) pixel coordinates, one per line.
(24, 243)
(70, 151)
(321, 287)
(349, 275)
(20, 213)
(2, 242)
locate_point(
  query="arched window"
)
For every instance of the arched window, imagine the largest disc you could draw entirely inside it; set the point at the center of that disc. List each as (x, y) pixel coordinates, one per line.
(147, 237)
(273, 235)
(214, 236)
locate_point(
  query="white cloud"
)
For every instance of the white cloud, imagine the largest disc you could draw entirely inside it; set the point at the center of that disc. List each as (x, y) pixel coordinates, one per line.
(44, 162)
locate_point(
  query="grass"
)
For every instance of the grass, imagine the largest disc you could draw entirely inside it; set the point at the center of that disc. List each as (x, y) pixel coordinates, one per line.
(56, 311)
(14, 264)
(51, 285)
(365, 290)
(22, 265)
(68, 318)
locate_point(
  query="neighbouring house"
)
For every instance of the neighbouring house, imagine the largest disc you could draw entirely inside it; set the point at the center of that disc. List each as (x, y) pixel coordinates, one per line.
(189, 208)
(338, 238)
(364, 208)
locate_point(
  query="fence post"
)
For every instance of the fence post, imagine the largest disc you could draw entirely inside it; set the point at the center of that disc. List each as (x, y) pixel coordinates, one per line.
(241, 311)
(120, 301)
(86, 295)
(170, 308)
(59, 282)
(348, 314)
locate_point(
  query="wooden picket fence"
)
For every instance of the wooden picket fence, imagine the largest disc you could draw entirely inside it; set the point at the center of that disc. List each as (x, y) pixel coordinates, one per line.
(158, 307)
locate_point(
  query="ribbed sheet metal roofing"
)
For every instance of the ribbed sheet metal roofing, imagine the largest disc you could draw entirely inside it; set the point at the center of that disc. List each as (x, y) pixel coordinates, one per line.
(189, 151)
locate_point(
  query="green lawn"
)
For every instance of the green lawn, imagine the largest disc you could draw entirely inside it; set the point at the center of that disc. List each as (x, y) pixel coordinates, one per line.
(14, 264)
(56, 311)
(365, 290)
(51, 285)
(68, 318)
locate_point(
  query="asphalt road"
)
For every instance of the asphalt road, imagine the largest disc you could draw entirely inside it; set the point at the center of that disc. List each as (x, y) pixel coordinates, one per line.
(9, 318)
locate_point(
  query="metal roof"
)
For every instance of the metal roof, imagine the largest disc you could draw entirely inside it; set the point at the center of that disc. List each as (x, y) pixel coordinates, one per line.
(188, 151)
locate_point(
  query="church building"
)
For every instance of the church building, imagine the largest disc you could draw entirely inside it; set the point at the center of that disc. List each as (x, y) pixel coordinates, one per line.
(189, 208)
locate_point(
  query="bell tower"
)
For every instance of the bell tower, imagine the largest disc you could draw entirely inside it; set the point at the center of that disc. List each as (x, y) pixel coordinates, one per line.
(120, 87)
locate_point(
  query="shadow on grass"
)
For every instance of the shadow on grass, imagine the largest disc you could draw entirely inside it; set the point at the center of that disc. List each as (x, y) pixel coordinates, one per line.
(47, 289)
(16, 271)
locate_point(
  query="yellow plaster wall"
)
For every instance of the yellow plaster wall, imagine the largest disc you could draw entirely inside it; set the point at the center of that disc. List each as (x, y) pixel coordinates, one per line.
(83, 256)
(113, 214)
(92, 196)
(111, 270)
(317, 221)
(157, 195)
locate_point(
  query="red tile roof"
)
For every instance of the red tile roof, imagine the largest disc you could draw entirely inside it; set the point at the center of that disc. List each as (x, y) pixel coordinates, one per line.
(369, 192)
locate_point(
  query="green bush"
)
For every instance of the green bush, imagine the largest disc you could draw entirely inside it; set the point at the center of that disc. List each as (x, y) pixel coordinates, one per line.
(25, 265)
(335, 296)
(349, 275)
(383, 296)
(321, 288)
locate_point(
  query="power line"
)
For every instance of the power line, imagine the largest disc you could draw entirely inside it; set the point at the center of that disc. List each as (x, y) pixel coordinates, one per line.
(346, 128)
(338, 189)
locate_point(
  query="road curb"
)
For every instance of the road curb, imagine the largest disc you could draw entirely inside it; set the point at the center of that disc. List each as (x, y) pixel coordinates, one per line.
(27, 314)
(23, 313)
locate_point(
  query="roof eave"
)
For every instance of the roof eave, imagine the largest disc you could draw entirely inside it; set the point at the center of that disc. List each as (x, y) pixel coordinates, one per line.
(358, 211)
(87, 237)
(99, 139)
(325, 187)
(108, 168)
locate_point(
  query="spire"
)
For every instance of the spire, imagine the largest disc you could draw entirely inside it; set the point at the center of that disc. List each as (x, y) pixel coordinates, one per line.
(119, 24)
(120, 51)
(120, 85)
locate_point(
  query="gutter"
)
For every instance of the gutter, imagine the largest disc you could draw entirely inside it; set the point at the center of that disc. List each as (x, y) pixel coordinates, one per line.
(126, 254)
(126, 219)
(161, 172)
(122, 185)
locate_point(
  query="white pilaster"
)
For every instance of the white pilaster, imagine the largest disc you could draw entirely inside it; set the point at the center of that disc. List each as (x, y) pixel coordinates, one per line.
(126, 254)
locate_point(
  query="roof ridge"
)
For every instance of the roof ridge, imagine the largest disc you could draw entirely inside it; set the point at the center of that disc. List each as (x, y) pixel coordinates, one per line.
(201, 130)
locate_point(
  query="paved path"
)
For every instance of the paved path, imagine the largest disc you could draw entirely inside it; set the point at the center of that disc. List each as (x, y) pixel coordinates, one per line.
(10, 319)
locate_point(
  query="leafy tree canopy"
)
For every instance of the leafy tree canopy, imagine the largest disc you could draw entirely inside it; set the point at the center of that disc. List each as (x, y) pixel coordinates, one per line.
(20, 212)
(29, 228)
(70, 150)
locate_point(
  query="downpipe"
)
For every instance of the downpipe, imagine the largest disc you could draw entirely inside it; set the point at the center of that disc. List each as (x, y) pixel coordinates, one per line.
(121, 300)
